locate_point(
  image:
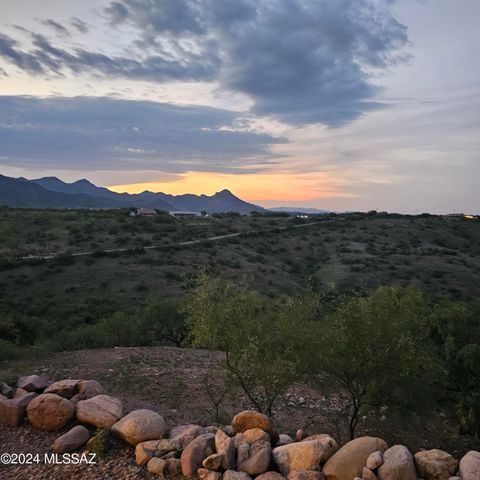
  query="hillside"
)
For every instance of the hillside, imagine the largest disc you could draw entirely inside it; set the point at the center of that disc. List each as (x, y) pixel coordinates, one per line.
(51, 192)
(57, 298)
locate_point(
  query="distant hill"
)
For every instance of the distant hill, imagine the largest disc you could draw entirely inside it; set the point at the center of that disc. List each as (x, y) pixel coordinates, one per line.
(313, 211)
(51, 192)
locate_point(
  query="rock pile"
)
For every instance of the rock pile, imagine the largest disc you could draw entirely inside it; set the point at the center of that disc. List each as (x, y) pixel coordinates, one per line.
(249, 448)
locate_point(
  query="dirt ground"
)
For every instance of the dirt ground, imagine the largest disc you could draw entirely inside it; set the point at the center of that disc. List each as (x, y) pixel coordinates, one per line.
(182, 385)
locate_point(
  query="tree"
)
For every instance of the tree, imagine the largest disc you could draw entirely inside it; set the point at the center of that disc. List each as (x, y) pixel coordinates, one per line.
(456, 332)
(373, 349)
(262, 340)
(164, 320)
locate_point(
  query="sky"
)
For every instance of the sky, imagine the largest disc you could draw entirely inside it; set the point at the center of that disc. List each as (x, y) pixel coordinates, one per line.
(333, 104)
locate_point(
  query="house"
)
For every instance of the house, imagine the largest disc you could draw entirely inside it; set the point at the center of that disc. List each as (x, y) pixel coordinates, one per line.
(185, 214)
(146, 212)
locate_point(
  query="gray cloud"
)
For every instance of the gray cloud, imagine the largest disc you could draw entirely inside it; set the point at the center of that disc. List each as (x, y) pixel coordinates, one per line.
(107, 134)
(301, 61)
(57, 27)
(46, 59)
(79, 25)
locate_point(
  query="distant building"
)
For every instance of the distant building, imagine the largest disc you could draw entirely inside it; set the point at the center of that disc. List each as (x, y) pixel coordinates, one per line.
(146, 212)
(184, 214)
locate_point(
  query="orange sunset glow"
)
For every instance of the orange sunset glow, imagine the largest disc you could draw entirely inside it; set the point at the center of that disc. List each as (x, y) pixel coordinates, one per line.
(260, 187)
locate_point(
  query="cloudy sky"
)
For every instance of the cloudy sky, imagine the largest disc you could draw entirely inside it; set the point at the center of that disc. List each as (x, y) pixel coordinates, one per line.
(335, 104)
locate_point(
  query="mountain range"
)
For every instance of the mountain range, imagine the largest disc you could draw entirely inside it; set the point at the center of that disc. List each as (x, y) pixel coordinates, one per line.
(51, 192)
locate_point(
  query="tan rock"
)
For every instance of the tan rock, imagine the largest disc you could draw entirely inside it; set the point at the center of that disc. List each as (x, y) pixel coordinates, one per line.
(470, 466)
(233, 475)
(225, 446)
(49, 411)
(397, 464)
(73, 439)
(206, 474)
(13, 410)
(139, 426)
(213, 462)
(156, 466)
(173, 466)
(90, 388)
(305, 455)
(251, 436)
(20, 392)
(184, 434)
(306, 475)
(65, 388)
(144, 451)
(374, 460)
(259, 458)
(349, 461)
(435, 464)
(101, 411)
(195, 452)
(33, 383)
(249, 419)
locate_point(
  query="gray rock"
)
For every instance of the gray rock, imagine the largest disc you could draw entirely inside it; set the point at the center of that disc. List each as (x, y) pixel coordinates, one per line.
(65, 388)
(101, 411)
(73, 439)
(470, 466)
(33, 383)
(397, 464)
(13, 410)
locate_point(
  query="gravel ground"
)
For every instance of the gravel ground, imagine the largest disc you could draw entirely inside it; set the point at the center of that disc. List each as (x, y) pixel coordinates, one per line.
(171, 381)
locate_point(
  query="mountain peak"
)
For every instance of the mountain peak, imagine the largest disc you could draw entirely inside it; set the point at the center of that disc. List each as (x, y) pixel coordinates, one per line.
(83, 181)
(225, 193)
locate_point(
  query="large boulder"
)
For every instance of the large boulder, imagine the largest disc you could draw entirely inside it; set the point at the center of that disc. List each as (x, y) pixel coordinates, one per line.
(139, 426)
(470, 466)
(101, 411)
(251, 419)
(225, 446)
(435, 464)
(33, 383)
(349, 461)
(13, 410)
(397, 464)
(65, 388)
(196, 452)
(184, 434)
(73, 439)
(259, 458)
(49, 411)
(305, 455)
